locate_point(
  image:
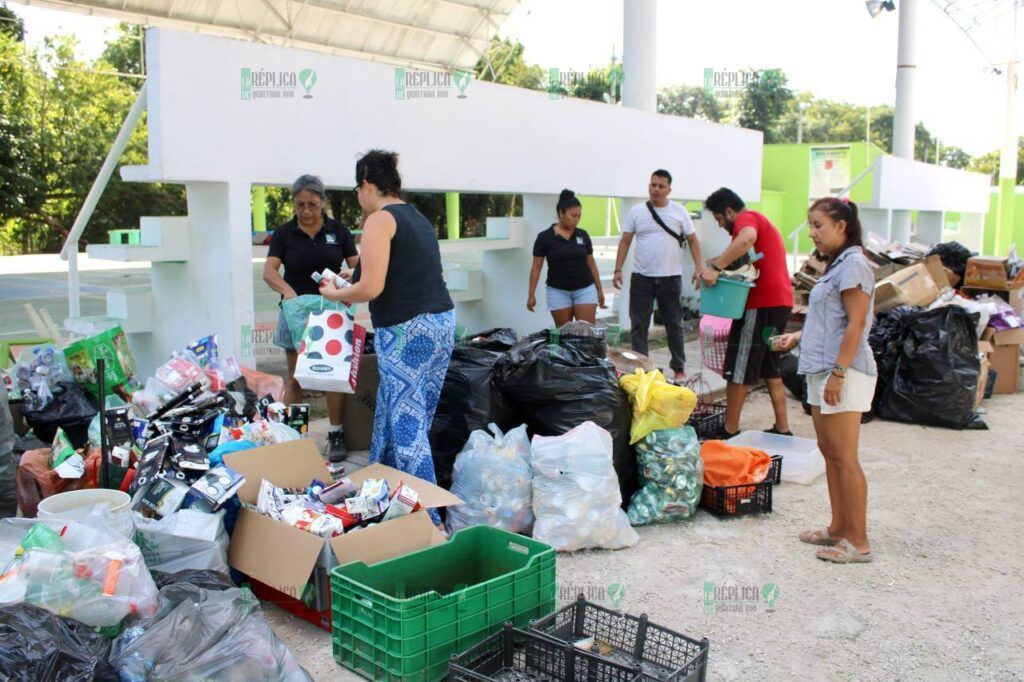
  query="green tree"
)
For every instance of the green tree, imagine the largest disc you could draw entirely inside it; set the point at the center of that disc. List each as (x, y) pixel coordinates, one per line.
(989, 164)
(10, 24)
(690, 101)
(765, 99)
(504, 63)
(123, 52)
(58, 118)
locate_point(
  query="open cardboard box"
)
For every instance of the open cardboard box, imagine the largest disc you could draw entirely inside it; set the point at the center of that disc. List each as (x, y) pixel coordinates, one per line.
(913, 285)
(984, 272)
(283, 557)
(1004, 357)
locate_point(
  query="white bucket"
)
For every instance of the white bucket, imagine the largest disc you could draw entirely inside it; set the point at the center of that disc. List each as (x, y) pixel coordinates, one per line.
(117, 503)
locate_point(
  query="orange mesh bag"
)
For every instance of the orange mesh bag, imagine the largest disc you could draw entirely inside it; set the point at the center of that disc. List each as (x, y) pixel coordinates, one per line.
(727, 465)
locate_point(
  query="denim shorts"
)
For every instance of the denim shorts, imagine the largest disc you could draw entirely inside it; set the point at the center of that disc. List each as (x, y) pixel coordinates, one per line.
(559, 299)
(283, 335)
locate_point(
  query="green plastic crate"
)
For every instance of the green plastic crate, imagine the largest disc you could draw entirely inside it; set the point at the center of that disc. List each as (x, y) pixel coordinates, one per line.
(403, 618)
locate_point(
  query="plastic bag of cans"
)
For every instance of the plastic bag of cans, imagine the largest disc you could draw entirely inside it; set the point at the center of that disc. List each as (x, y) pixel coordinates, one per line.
(492, 473)
(671, 474)
(576, 495)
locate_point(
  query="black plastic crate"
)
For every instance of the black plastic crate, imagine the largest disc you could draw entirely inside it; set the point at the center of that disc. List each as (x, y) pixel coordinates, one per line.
(707, 419)
(514, 654)
(775, 472)
(662, 654)
(738, 500)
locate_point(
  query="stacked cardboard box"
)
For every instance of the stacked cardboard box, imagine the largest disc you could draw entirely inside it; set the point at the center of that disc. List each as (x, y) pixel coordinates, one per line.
(1003, 277)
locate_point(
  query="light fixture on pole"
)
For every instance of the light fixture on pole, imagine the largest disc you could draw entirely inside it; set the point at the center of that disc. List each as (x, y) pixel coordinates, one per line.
(876, 7)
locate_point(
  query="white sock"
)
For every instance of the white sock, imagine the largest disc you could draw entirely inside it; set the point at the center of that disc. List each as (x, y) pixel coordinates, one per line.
(334, 429)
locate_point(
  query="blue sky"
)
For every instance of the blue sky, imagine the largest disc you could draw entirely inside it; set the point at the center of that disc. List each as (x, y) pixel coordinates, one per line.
(832, 48)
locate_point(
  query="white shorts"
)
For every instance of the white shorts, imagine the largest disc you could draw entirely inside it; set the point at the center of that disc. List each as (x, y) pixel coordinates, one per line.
(856, 396)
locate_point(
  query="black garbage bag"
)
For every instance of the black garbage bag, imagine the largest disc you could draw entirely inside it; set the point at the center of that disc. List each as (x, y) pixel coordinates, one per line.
(555, 388)
(39, 646)
(467, 402)
(953, 255)
(795, 382)
(205, 579)
(70, 409)
(885, 339)
(935, 376)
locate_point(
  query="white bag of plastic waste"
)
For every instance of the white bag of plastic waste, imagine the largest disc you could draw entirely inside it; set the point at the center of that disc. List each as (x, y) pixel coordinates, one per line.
(576, 496)
(188, 539)
(492, 474)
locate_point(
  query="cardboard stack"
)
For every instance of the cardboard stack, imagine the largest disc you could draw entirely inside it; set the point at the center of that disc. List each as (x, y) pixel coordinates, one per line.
(1000, 348)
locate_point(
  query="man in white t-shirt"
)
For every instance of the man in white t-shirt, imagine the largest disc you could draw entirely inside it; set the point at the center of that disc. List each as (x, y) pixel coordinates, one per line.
(658, 266)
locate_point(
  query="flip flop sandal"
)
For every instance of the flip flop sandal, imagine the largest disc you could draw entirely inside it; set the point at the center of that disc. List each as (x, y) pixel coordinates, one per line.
(817, 537)
(848, 554)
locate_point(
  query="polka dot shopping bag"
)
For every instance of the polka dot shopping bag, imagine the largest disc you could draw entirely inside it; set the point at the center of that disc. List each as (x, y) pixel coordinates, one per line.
(330, 352)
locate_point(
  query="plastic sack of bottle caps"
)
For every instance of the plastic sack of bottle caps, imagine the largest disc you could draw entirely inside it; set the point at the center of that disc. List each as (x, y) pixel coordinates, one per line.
(576, 496)
(84, 569)
(492, 474)
(671, 475)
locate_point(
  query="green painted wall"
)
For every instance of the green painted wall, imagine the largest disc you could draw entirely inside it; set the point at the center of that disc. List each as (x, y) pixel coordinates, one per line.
(592, 218)
(1016, 236)
(786, 169)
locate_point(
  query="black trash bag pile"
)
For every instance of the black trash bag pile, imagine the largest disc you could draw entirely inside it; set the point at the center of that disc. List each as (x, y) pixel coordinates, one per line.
(554, 388)
(884, 339)
(467, 401)
(795, 382)
(953, 255)
(933, 371)
(70, 409)
(38, 646)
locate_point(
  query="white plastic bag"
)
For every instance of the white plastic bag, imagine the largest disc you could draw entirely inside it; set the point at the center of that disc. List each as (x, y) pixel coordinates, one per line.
(186, 539)
(576, 496)
(90, 573)
(492, 474)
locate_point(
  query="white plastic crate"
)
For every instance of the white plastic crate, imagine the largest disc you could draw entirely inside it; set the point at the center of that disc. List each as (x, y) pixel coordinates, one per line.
(801, 460)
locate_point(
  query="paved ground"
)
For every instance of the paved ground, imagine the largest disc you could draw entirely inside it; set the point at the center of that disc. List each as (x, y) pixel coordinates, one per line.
(941, 601)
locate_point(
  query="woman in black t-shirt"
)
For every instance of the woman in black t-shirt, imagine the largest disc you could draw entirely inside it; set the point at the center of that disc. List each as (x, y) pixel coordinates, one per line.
(308, 243)
(573, 285)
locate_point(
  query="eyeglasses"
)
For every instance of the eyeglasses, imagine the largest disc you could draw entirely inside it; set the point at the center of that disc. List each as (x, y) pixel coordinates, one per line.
(355, 190)
(311, 206)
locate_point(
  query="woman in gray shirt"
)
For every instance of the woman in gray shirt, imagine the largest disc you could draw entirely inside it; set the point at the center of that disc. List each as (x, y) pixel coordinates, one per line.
(841, 373)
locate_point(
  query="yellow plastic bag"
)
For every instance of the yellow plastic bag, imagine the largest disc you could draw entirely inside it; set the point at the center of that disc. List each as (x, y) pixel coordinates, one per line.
(657, 404)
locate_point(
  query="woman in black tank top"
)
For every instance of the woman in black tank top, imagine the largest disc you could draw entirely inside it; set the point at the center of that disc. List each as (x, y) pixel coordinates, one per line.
(400, 276)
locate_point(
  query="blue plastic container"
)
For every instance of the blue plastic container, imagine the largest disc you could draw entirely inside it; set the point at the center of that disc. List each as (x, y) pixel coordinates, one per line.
(726, 298)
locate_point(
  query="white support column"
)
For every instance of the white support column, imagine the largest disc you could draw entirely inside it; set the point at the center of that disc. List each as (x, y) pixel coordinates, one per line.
(905, 119)
(506, 274)
(639, 54)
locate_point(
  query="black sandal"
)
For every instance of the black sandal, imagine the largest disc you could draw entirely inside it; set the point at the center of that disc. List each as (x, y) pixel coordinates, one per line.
(779, 433)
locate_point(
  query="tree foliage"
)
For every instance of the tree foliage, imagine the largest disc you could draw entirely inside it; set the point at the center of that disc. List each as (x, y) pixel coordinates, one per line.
(690, 101)
(765, 99)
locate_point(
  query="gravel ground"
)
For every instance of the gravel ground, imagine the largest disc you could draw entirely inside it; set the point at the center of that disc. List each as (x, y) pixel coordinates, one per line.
(942, 599)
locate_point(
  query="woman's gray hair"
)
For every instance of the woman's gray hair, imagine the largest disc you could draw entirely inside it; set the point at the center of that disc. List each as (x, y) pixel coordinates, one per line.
(310, 183)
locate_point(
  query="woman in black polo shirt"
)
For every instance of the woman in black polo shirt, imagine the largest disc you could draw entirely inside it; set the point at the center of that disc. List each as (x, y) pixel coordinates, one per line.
(573, 285)
(308, 243)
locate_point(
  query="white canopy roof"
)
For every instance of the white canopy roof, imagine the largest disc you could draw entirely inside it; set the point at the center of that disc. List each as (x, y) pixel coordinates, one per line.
(434, 34)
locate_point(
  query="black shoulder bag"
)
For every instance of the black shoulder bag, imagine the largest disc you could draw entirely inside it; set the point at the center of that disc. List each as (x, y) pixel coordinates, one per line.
(657, 218)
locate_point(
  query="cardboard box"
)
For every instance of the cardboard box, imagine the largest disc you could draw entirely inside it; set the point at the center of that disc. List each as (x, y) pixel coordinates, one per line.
(1005, 358)
(984, 272)
(284, 557)
(360, 406)
(911, 286)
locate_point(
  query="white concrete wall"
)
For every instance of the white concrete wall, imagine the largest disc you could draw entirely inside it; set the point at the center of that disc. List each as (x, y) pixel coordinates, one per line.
(902, 184)
(497, 139)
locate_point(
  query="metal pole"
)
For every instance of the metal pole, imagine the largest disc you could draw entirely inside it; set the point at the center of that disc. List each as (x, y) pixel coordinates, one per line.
(905, 118)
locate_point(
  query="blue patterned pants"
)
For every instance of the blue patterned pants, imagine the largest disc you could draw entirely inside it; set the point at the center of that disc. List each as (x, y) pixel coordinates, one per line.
(412, 358)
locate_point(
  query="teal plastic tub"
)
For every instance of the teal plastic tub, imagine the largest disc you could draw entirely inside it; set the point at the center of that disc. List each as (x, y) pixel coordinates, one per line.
(726, 298)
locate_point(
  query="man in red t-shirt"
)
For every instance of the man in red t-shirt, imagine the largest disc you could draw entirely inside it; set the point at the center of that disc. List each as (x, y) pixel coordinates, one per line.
(749, 357)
